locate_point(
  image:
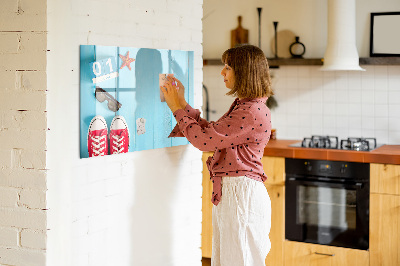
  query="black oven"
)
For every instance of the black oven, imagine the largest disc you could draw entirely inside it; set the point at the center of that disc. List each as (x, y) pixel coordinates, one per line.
(327, 202)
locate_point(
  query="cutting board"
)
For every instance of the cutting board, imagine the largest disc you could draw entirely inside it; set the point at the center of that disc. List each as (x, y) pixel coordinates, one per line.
(239, 35)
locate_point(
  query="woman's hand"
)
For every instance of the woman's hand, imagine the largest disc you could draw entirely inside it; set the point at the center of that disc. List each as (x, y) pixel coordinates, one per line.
(181, 91)
(171, 95)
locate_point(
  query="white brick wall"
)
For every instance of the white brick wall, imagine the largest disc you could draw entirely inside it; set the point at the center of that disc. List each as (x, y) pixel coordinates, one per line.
(23, 218)
(100, 211)
(140, 208)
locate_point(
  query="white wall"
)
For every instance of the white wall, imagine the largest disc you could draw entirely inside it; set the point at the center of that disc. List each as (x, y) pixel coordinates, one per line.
(311, 102)
(307, 19)
(140, 208)
(23, 125)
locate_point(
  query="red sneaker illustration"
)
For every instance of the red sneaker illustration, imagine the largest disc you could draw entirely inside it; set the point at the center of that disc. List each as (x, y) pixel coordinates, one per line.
(119, 135)
(97, 137)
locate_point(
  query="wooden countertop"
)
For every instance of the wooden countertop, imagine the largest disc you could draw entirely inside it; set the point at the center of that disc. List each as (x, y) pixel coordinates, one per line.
(389, 154)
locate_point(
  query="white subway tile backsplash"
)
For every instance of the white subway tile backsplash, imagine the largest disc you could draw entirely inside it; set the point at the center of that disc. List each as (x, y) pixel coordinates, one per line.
(367, 96)
(381, 72)
(367, 133)
(329, 121)
(292, 83)
(381, 110)
(342, 109)
(368, 123)
(345, 103)
(395, 133)
(304, 82)
(329, 94)
(355, 109)
(305, 108)
(381, 97)
(368, 110)
(342, 122)
(367, 83)
(355, 132)
(305, 131)
(317, 121)
(394, 111)
(394, 97)
(329, 109)
(291, 71)
(354, 82)
(382, 136)
(304, 72)
(341, 82)
(394, 83)
(342, 96)
(381, 123)
(355, 122)
(381, 83)
(316, 95)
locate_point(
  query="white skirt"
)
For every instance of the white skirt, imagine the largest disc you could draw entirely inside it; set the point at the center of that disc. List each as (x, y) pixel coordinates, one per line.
(241, 223)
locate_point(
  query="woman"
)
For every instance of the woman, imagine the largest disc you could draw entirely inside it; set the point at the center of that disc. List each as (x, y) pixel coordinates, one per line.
(242, 209)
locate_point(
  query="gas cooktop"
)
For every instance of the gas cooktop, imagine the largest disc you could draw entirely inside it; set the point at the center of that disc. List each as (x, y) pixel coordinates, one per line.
(332, 142)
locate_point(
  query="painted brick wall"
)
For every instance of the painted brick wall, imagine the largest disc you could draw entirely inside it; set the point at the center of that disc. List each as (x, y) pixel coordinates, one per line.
(23, 126)
(141, 208)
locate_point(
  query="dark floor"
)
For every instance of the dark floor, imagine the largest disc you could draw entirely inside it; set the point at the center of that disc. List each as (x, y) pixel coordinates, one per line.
(206, 261)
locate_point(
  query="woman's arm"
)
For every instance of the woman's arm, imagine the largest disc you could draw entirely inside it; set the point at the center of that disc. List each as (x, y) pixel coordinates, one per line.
(177, 101)
(239, 127)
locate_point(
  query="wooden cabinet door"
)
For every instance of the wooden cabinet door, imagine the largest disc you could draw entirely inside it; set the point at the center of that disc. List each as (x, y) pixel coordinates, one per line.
(277, 233)
(274, 168)
(206, 234)
(304, 254)
(384, 230)
(385, 178)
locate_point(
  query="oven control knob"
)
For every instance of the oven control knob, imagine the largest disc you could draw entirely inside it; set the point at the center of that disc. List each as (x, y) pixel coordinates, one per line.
(343, 168)
(308, 166)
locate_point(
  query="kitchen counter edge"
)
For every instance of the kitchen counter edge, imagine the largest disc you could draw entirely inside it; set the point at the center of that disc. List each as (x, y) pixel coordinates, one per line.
(386, 154)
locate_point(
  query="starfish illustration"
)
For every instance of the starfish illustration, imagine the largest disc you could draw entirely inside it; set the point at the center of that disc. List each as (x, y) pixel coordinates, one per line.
(126, 61)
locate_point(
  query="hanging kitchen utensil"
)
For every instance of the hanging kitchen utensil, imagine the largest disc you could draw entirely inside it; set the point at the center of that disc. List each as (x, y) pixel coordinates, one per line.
(259, 26)
(239, 36)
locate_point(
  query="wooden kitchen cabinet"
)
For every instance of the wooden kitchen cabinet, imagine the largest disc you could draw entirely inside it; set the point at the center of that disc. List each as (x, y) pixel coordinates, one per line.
(304, 254)
(385, 215)
(206, 233)
(277, 233)
(274, 168)
(385, 178)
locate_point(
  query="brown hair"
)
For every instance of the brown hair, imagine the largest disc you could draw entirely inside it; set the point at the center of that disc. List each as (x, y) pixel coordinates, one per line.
(250, 66)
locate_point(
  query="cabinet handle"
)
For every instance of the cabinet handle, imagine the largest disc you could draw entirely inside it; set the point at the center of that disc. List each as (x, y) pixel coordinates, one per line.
(325, 254)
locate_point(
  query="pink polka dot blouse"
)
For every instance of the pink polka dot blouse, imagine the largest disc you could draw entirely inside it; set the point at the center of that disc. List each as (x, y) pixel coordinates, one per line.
(238, 139)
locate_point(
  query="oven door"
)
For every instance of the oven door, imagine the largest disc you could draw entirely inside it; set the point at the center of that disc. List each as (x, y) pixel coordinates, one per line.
(327, 212)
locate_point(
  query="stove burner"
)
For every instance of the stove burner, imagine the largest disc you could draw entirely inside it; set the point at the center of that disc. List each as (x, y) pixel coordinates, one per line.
(328, 142)
(358, 144)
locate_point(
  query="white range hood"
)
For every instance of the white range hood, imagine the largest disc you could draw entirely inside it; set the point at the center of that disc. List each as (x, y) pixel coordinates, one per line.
(341, 52)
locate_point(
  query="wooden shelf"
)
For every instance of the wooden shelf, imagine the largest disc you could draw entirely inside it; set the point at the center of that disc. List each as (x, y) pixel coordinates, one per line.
(273, 62)
(295, 62)
(394, 61)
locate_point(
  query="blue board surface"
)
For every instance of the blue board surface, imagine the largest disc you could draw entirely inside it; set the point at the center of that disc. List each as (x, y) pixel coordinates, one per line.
(131, 76)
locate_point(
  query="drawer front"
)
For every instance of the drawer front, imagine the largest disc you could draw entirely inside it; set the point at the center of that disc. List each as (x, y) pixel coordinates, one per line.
(303, 254)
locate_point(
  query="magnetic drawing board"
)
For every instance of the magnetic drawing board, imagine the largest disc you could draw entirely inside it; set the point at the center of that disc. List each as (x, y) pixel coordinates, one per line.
(120, 98)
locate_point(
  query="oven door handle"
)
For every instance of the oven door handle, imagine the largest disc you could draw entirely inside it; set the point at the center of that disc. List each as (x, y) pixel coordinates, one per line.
(316, 181)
